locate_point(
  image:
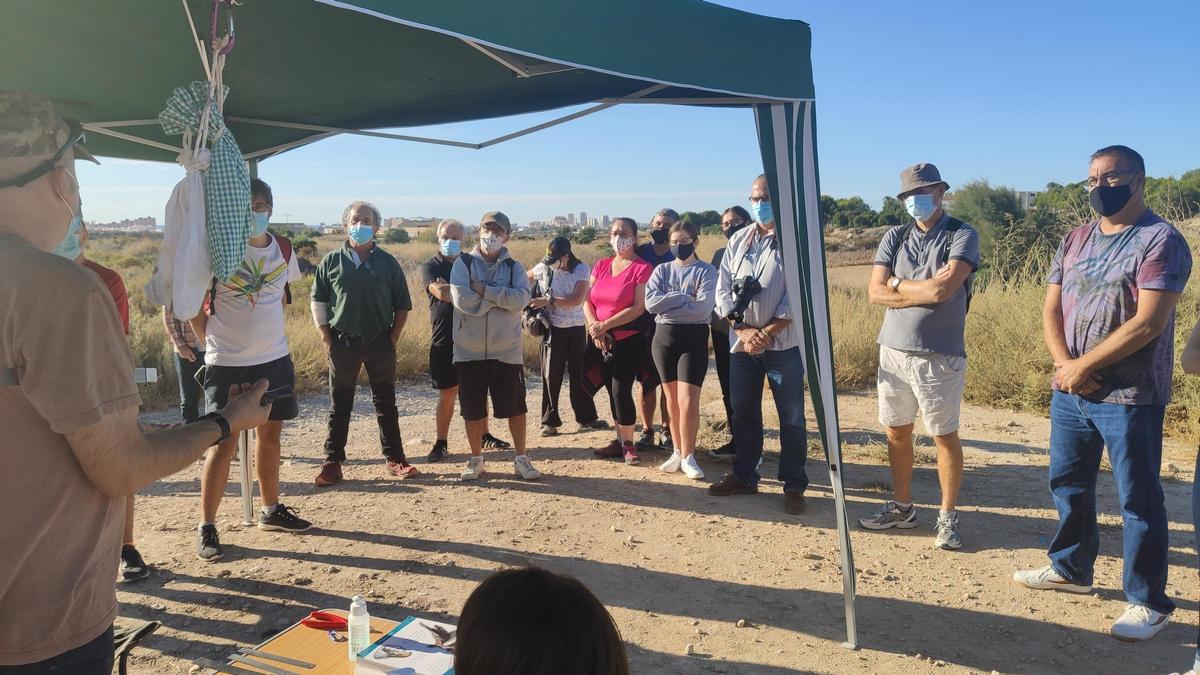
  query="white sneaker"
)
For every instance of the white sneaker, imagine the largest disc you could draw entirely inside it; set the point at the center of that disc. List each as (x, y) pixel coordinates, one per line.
(474, 469)
(524, 470)
(691, 469)
(1138, 623)
(672, 463)
(1046, 579)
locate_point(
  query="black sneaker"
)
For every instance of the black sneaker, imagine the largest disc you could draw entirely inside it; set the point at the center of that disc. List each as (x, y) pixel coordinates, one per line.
(666, 442)
(133, 568)
(645, 441)
(283, 519)
(490, 442)
(439, 453)
(208, 544)
(725, 453)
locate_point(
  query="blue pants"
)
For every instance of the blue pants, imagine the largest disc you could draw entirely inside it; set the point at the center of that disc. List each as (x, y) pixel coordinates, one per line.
(1079, 432)
(191, 394)
(784, 371)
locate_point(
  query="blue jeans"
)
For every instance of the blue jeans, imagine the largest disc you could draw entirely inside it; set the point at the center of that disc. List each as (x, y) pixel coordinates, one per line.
(191, 394)
(1079, 431)
(784, 371)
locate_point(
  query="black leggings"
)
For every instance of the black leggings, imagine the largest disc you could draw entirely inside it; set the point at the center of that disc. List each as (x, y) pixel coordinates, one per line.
(620, 372)
(681, 352)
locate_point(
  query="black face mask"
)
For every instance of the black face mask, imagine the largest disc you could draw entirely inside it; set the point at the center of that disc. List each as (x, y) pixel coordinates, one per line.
(733, 228)
(660, 236)
(683, 251)
(1108, 200)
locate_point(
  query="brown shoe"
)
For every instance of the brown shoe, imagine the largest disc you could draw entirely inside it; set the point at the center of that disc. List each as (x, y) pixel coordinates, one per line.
(793, 502)
(731, 485)
(402, 469)
(331, 473)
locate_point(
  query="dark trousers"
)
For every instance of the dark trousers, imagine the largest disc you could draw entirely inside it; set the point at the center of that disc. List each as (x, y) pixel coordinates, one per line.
(620, 372)
(347, 356)
(564, 351)
(720, 342)
(94, 658)
(784, 372)
(191, 394)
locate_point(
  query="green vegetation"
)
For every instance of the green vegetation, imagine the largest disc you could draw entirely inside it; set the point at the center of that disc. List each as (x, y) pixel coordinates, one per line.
(396, 237)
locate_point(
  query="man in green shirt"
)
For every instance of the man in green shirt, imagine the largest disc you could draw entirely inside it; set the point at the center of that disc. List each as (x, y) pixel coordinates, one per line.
(360, 302)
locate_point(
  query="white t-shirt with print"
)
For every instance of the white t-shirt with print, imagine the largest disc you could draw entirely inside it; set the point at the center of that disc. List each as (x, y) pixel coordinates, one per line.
(562, 284)
(247, 327)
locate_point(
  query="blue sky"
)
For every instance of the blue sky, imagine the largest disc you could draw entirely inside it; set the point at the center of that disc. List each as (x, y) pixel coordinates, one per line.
(1019, 93)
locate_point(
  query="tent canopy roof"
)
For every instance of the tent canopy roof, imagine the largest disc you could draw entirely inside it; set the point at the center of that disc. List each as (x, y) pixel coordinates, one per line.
(368, 64)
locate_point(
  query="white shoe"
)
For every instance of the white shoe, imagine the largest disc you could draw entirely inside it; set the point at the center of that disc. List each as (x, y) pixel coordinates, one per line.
(672, 463)
(524, 470)
(1046, 579)
(474, 469)
(691, 469)
(1138, 623)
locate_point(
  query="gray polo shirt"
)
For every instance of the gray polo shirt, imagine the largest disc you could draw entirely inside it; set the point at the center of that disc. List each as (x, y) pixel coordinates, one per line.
(753, 254)
(927, 328)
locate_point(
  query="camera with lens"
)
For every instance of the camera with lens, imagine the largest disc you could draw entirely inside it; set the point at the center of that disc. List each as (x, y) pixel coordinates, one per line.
(744, 290)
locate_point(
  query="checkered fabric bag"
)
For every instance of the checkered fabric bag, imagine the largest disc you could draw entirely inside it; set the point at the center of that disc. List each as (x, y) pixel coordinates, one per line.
(226, 181)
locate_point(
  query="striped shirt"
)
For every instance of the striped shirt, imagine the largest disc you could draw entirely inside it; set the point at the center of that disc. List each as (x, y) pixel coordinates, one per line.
(751, 254)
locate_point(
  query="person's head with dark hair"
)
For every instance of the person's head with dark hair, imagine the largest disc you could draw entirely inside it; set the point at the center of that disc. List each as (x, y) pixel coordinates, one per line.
(684, 237)
(559, 253)
(733, 219)
(262, 207)
(260, 190)
(622, 236)
(1117, 183)
(660, 225)
(534, 622)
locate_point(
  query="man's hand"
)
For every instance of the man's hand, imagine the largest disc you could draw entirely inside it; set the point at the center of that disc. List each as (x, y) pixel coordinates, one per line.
(538, 303)
(753, 339)
(1073, 378)
(478, 287)
(245, 409)
(186, 353)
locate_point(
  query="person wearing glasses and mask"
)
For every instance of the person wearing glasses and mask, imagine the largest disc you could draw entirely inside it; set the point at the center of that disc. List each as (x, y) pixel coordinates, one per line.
(734, 219)
(655, 252)
(242, 326)
(1109, 323)
(489, 290)
(69, 410)
(435, 277)
(360, 302)
(922, 275)
(682, 294)
(752, 294)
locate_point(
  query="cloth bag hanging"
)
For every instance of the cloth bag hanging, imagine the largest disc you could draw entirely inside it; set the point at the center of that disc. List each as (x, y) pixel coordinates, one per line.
(183, 273)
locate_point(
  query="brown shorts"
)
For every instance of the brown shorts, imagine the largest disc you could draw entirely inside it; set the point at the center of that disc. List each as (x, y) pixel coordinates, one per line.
(505, 381)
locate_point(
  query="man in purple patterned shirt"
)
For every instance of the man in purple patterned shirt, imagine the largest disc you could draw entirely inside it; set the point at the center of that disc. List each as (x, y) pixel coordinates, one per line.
(1109, 321)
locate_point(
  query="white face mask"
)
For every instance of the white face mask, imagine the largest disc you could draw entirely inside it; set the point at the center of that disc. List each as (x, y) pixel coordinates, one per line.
(621, 243)
(491, 243)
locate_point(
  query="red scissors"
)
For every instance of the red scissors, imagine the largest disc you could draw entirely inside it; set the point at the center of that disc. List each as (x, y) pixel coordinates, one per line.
(325, 621)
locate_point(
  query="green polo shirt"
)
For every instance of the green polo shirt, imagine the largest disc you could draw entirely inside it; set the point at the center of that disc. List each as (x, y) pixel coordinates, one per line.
(363, 298)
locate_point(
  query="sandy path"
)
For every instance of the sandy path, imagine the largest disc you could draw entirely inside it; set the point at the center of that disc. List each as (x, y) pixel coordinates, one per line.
(675, 566)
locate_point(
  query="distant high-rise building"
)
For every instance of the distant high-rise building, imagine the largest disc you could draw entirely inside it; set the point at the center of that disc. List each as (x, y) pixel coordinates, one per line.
(583, 219)
(571, 219)
(593, 223)
(605, 222)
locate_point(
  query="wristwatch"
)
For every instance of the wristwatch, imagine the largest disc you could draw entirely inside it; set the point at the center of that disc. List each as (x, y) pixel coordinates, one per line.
(221, 422)
(894, 283)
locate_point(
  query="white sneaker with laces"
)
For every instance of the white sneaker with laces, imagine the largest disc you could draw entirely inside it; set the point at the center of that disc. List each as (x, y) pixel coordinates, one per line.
(524, 470)
(474, 469)
(1046, 579)
(672, 463)
(1138, 623)
(691, 469)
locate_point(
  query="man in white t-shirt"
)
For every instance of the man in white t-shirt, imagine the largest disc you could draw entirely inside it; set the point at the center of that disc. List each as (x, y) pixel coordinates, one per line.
(242, 330)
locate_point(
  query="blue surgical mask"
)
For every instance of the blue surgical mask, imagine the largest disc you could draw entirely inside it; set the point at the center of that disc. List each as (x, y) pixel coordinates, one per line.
(920, 207)
(361, 234)
(258, 223)
(450, 247)
(69, 247)
(762, 212)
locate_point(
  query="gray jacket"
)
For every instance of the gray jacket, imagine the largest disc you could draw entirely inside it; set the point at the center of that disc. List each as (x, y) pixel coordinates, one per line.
(488, 326)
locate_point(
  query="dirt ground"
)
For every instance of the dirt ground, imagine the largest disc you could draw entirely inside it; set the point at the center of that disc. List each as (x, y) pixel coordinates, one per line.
(675, 566)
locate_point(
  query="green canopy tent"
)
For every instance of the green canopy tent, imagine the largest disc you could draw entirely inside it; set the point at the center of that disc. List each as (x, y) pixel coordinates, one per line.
(304, 70)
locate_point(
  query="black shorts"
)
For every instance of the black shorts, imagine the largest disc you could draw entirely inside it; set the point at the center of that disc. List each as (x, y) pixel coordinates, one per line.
(218, 379)
(505, 381)
(681, 352)
(441, 366)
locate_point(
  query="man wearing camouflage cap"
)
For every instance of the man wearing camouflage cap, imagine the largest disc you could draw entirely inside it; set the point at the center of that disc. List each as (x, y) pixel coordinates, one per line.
(68, 407)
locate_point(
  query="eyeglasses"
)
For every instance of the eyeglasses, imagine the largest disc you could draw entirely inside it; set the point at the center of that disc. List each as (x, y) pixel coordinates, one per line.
(75, 136)
(760, 198)
(1111, 178)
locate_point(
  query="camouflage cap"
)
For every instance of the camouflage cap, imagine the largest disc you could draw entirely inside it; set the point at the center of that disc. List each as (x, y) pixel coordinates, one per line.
(30, 127)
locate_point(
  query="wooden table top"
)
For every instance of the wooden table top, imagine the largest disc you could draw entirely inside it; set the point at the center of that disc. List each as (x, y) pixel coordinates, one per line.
(314, 646)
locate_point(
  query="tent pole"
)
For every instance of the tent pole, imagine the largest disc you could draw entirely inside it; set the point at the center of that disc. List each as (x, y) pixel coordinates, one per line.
(247, 481)
(354, 132)
(567, 118)
(131, 139)
(252, 165)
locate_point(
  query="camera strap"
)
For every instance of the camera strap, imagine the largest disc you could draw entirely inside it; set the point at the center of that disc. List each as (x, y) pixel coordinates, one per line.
(758, 267)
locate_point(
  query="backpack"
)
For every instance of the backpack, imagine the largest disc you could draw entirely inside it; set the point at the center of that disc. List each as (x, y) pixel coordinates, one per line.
(285, 248)
(952, 225)
(469, 260)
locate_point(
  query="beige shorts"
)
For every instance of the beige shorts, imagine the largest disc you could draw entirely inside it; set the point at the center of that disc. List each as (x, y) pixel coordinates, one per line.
(929, 383)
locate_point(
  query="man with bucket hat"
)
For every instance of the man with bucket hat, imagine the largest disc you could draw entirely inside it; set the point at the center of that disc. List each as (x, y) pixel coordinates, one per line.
(922, 276)
(68, 407)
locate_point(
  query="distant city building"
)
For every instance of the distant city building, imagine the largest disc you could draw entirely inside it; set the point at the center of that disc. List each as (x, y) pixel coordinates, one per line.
(290, 226)
(143, 224)
(593, 223)
(1026, 199)
(583, 219)
(605, 222)
(331, 229)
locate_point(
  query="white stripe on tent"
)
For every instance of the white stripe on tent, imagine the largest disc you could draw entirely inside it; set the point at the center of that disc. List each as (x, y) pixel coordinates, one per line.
(461, 36)
(786, 210)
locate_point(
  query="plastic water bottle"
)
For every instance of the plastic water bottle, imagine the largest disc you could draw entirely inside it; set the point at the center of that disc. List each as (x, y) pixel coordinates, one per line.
(360, 627)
